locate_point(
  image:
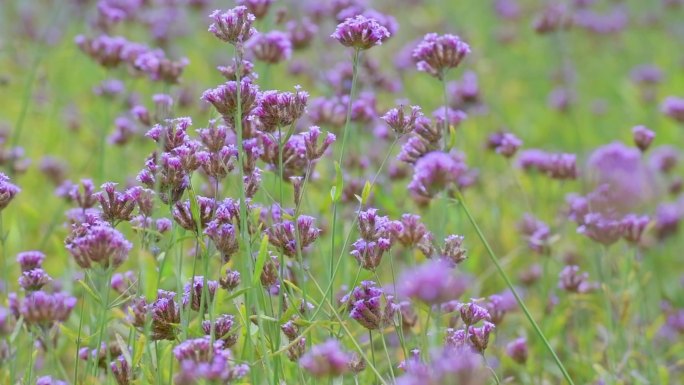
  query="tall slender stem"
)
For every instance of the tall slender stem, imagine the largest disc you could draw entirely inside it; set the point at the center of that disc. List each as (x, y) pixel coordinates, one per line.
(518, 299)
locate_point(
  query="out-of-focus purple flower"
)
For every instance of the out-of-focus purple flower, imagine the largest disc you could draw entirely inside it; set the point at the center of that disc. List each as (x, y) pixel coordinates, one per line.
(271, 47)
(434, 172)
(601, 228)
(436, 54)
(233, 26)
(517, 350)
(283, 235)
(222, 329)
(109, 88)
(642, 137)
(258, 8)
(504, 143)
(507, 9)
(571, 280)
(230, 72)
(367, 306)
(360, 33)
(632, 227)
(326, 360)
(46, 309)
(498, 305)
(54, 169)
(553, 17)
(664, 158)
(667, 219)
(121, 370)
(7, 191)
(673, 107)
(433, 282)
(29, 260)
(193, 293)
(646, 74)
(199, 359)
(450, 365)
(48, 380)
(412, 230)
(301, 33)
(97, 243)
(555, 165)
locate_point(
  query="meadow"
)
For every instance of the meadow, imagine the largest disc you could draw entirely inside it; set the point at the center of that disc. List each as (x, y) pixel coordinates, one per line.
(427, 192)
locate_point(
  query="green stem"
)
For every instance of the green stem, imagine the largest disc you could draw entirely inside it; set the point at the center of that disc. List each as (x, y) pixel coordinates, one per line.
(518, 299)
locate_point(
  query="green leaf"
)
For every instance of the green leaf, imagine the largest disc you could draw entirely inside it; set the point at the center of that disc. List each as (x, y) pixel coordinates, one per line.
(336, 190)
(261, 260)
(90, 291)
(365, 193)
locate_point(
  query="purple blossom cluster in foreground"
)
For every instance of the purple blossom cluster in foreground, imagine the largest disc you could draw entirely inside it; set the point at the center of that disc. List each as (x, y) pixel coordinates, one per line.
(344, 196)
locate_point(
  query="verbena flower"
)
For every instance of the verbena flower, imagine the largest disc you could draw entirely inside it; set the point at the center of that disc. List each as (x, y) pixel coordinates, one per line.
(283, 235)
(224, 98)
(272, 47)
(449, 365)
(433, 282)
(34, 280)
(165, 316)
(48, 380)
(183, 213)
(434, 172)
(370, 306)
(117, 206)
(46, 309)
(281, 109)
(259, 8)
(360, 33)
(438, 53)
(121, 370)
(326, 360)
(401, 123)
(193, 293)
(97, 243)
(29, 260)
(517, 350)
(222, 328)
(224, 237)
(230, 280)
(233, 26)
(674, 108)
(643, 137)
(301, 32)
(200, 359)
(571, 280)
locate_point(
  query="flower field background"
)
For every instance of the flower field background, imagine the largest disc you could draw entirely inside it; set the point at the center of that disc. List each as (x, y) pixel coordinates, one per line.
(341, 191)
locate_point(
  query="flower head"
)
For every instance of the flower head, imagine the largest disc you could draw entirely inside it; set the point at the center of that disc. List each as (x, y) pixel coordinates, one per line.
(436, 54)
(360, 33)
(233, 26)
(434, 172)
(271, 47)
(432, 282)
(97, 243)
(7, 191)
(326, 360)
(365, 304)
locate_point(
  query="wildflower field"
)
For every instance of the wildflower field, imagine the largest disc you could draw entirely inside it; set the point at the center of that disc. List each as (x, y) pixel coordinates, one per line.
(430, 192)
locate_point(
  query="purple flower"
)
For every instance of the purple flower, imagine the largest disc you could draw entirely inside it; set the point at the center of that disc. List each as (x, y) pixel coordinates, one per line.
(224, 98)
(434, 172)
(283, 235)
(272, 47)
(642, 137)
(97, 243)
(450, 365)
(258, 8)
(479, 337)
(182, 213)
(433, 282)
(360, 33)
(601, 228)
(400, 123)
(367, 307)
(674, 108)
(233, 26)
(29, 260)
(117, 206)
(193, 293)
(7, 191)
(281, 109)
(571, 280)
(517, 350)
(472, 313)
(34, 280)
(436, 54)
(505, 143)
(632, 227)
(314, 150)
(165, 316)
(411, 230)
(301, 33)
(48, 380)
(453, 251)
(557, 166)
(46, 309)
(326, 360)
(230, 280)
(199, 359)
(646, 74)
(224, 238)
(222, 329)
(664, 158)
(171, 134)
(121, 370)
